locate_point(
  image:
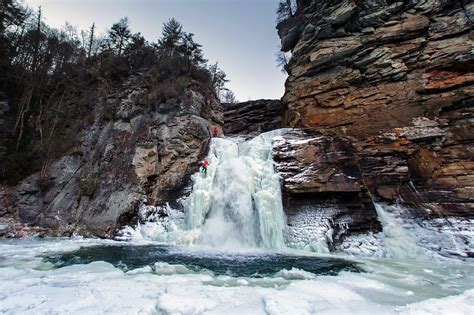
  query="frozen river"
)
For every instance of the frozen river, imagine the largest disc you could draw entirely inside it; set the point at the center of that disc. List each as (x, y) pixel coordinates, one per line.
(67, 276)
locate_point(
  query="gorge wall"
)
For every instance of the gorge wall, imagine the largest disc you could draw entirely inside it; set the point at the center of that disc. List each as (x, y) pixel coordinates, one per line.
(396, 81)
(253, 117)
(138, 149)
(322, 185)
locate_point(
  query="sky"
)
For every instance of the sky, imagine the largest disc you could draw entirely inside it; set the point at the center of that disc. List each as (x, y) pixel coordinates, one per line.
(239, 34)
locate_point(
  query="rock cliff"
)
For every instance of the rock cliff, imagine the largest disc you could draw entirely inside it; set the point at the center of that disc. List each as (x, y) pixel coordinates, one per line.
(395, 79)
(323, 185)
(253, 117)
(138, 150)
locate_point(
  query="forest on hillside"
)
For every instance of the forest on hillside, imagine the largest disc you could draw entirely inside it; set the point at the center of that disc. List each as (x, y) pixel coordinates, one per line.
(51, 79)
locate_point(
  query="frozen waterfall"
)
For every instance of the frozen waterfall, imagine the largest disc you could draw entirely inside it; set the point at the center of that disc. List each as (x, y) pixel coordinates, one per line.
(238, 202)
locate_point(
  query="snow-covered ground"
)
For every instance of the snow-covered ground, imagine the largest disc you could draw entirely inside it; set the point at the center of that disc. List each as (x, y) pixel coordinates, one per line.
(29, 285)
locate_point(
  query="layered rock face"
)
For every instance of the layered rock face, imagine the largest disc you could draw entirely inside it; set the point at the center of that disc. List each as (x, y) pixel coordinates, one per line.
(396, 79)
(137, 150)
(253, 117)
(323, 185)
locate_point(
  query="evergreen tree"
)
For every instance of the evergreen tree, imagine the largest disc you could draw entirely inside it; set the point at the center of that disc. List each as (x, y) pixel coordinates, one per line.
(139, 53)
(119, 36)
(218, 79)
(11, 14)
(179, 45)
(191, 51)
(172, 34)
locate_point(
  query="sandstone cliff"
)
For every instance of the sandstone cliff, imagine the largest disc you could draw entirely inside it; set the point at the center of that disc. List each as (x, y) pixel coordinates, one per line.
(396, 80)
(137, 150)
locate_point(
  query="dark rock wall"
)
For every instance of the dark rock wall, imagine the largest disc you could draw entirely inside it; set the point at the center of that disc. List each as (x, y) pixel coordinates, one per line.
(141, 150)
(320, 174)
(253, 117)
(397, 80)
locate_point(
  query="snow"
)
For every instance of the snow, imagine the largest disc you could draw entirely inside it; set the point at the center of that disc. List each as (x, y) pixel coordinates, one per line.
(31, 286)
(295, 274)
(462, 304)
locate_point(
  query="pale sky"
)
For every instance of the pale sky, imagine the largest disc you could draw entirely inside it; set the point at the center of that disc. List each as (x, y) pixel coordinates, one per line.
(239, 34)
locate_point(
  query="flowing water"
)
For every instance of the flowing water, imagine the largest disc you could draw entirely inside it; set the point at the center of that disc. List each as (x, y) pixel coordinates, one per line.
(226, 254)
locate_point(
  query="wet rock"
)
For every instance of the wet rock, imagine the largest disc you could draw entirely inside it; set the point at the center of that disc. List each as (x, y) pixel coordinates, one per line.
(320, 173)
(3, 229)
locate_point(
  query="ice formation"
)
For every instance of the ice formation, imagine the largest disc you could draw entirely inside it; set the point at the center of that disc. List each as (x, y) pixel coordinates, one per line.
(235, 204)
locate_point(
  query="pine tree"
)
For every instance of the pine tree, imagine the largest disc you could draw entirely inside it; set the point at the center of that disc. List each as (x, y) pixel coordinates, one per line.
(172, 34)
(218, 79)
(191, 51)
(119, 35)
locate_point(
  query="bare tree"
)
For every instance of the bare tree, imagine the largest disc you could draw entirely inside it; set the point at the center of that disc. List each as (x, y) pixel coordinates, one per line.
(282, 60)
(37, 41)
(91, 40)
(229, 97)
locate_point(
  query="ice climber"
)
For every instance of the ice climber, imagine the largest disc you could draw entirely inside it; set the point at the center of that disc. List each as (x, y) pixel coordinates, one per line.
(204, 164)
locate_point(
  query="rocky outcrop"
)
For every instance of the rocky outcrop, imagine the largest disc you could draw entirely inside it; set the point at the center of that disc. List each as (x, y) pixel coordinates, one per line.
(320, 174)
(253, 117)
(397, 80)
(138, 150)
